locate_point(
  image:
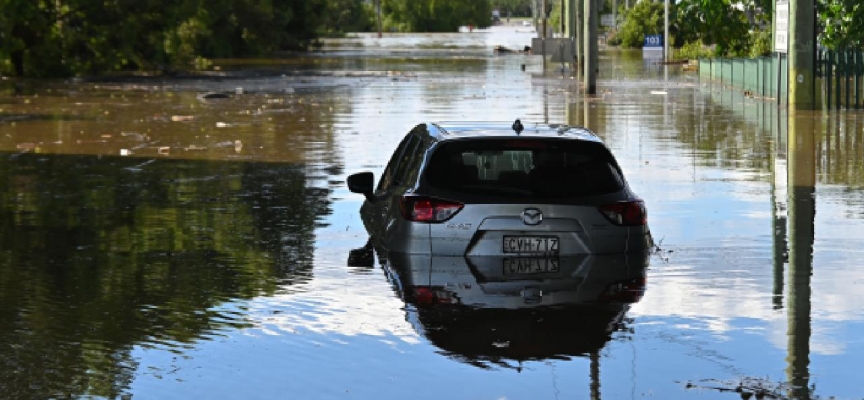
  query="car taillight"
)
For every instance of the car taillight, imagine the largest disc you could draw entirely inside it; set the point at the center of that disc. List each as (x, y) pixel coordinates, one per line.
(630, 213)
(432, 295)
(630, 291)
(428, 209)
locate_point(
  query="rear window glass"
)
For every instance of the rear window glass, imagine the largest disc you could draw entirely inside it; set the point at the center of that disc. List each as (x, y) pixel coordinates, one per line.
(524, 168)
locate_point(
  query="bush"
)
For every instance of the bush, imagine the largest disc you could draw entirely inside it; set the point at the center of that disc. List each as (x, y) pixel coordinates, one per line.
(612, 38)
(760, 43)
(694, 50)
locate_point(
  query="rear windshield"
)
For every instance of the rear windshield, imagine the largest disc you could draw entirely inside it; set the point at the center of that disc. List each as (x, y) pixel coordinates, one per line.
(524, 168)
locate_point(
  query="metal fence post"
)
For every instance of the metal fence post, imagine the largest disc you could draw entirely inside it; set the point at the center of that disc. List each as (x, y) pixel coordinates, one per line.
(857, 79)
(829, 73)
(846, 68)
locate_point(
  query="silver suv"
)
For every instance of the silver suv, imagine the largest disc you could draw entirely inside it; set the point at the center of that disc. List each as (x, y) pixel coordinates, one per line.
(527, 193)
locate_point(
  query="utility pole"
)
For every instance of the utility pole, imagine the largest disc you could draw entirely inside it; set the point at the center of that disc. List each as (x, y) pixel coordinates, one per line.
(591, 50)
(802, 53)
(572, 31)
(543, 16)
(563, 26)
(802, 161)
(378, 11)
(580, 37)
(666, 55)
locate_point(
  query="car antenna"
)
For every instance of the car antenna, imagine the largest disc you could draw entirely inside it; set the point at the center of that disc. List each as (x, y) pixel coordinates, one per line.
(517, 126)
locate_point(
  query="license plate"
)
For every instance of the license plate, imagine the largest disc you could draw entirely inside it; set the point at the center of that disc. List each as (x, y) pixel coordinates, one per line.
(530, 266)
(531, 244)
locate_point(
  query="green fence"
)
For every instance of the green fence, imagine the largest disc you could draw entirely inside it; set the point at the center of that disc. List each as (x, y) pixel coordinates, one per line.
(760, 76)
(841, 73)
(839, 77)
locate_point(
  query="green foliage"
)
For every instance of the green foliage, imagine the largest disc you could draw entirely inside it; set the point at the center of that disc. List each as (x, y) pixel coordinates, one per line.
(645, 18)
(555, 17)
(347, 16)
(694, 50)
(761, 43)
(714, 22)
(435, 15)
(516, 8)
(79, 37)
(843, 23)
(612, 38)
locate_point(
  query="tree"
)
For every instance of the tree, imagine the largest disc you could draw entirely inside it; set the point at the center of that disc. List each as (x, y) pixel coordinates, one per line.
(435, 15)
(716, 22)
(842, 23)
(516, 8)
(81, 37)
(27, 30)
(645, 18)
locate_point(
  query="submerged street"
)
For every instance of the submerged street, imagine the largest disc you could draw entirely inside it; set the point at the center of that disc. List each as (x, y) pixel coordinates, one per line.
(157, 243)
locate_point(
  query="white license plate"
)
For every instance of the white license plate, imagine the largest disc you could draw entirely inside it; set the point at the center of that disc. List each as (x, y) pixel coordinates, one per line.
(531, 244)
(530, 265)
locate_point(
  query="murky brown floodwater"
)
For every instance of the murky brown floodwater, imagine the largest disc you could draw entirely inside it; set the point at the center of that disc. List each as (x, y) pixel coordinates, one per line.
(157, 245)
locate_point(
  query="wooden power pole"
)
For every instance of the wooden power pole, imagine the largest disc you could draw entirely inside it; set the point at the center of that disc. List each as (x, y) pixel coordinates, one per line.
(591, 55)
(802, 54)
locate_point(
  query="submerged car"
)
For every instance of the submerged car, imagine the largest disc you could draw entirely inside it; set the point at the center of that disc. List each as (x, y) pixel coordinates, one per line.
(519, 191)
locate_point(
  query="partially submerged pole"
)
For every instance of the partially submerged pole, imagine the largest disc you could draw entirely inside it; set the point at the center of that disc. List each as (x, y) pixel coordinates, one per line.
(666, 55)
(591, 49)
(378, 12)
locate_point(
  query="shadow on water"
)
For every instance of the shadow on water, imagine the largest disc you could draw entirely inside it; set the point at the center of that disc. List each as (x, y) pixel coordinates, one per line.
(98, 255)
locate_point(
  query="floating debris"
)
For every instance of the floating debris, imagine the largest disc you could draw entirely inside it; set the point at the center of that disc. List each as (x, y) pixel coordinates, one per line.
(236, 144)
(748, 387)
(213, 96)
(134, 136)
(182, 118)
(27, 146)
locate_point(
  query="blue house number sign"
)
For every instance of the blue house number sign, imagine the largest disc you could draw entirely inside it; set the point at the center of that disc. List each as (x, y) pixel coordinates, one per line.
(653, 41)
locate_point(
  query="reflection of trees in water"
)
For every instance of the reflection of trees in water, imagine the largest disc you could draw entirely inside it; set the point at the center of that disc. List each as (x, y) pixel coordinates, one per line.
(96, 258)
(728, 138)
(285, 210)
(738, 133)
(840, 151)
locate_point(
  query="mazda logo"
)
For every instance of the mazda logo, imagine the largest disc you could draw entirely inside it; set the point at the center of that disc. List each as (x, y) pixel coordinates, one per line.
(532, 216)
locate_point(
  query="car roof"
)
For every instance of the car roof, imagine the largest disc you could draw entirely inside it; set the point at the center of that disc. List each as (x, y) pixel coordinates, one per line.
(444, 131)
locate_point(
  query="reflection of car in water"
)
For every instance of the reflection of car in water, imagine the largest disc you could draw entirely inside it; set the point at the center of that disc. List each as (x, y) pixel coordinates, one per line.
(484, 310)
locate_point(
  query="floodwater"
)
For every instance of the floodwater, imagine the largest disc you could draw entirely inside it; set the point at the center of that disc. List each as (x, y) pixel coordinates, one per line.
(155, 244)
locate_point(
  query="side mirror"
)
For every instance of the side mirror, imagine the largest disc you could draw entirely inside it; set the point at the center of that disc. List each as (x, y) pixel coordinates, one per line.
(362, 183)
